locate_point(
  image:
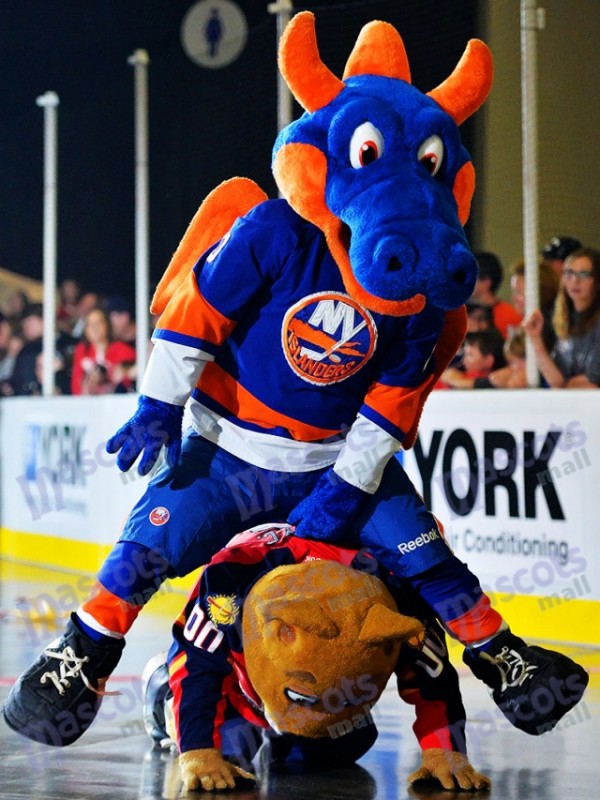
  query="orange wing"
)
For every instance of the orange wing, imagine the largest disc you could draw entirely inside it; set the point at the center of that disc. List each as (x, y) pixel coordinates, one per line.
(228, 201)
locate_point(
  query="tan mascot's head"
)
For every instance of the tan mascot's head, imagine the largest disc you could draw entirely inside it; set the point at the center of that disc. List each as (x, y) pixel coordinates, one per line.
(321, 641)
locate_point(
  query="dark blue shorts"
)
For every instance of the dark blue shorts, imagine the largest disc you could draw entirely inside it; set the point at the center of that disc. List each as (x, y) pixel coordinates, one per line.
(192, 510)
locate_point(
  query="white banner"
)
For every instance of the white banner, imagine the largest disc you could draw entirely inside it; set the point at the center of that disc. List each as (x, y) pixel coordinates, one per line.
(514, 477)
(57, 478)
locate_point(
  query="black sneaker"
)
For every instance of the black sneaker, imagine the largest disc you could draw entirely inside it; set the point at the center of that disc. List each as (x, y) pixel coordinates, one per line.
(533, 687)
(58, 697)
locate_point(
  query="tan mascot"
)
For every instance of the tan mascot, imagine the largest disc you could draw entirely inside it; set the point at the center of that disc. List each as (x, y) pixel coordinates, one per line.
(292, 642)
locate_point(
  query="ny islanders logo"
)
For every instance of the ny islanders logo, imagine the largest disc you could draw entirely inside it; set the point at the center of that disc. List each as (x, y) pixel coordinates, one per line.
(327, 337)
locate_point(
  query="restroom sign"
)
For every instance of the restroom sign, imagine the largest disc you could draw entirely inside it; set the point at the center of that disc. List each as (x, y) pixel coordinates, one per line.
(214, 33)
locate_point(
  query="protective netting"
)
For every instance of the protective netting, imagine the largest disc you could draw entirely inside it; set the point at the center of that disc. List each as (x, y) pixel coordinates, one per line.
(567, 97)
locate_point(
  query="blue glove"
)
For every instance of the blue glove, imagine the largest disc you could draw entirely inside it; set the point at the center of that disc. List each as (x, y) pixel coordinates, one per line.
(329, 510)
(153, 425)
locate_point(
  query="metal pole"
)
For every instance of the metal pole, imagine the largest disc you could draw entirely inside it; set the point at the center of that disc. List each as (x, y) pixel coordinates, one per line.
(140, 61)
(49, 102)
(283, 9)
(532, 20)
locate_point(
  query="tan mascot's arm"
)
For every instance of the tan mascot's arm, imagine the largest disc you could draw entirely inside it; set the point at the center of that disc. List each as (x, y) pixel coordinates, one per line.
(427, 680)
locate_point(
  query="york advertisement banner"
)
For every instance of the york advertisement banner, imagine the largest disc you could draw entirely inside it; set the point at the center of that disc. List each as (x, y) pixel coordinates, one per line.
(57, 478)
(513, 476)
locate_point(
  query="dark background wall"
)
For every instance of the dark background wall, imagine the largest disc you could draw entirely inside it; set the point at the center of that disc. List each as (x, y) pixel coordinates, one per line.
(205, 125)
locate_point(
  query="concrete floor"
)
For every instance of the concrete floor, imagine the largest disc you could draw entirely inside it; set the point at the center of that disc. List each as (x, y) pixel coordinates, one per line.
(114, 760)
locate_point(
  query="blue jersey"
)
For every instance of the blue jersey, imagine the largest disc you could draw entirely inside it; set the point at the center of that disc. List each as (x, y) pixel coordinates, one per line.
(286, 370)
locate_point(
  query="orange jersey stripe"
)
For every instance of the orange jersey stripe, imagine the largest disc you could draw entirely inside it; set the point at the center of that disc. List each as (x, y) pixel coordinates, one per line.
(113, 613)
(190, 314)
(403, 406)
(226, 391)
(478, 623)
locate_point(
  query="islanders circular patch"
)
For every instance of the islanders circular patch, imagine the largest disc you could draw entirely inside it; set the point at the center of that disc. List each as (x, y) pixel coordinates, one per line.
(159, 515)
(327, 337)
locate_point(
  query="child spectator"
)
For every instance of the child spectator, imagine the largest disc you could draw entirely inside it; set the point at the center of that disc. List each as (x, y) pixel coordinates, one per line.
(483, 353)
(513, 375)
(479, 318)
(97, 356)
(485, 293)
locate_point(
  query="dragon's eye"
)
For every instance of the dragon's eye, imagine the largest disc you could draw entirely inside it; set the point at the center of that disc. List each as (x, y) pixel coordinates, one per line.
(366, 145)
(301, 699)
(431, 154)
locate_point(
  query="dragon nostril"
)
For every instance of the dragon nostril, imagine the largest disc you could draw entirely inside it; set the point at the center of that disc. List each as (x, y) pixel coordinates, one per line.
(394, 264)
(346, 236)
(459, 276)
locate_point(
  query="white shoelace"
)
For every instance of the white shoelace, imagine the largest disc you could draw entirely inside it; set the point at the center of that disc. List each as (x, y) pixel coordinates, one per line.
(70, 667)
(513, 668)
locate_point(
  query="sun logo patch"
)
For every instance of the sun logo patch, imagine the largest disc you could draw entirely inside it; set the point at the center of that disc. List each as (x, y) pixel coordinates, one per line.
(223, 609)
(327, 337)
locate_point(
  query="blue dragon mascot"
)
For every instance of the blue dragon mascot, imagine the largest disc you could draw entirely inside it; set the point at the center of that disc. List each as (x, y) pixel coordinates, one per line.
(303, 335)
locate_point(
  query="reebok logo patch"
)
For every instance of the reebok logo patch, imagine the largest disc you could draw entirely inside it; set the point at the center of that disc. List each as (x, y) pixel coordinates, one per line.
(420, 541)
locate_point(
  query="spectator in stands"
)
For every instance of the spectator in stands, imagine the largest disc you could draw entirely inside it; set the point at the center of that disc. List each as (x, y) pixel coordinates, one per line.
(16, 305)
(23, 380)
(122, 322)
(574, 363)
(549, 283)
(479, 317)
(86, 303)
(69, 293)
(97, 357)
(9, 347)
(557, 249)
(485, 292)
(483, 353)
(62, 381)
(513, 375)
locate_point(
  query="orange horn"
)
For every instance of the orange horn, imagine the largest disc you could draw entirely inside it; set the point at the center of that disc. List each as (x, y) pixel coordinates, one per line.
(310, 81)
(379, 50)
(464, 91)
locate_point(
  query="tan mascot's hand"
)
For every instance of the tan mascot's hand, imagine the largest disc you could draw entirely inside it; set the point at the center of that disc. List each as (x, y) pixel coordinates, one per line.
(449, 768)
(207, 769)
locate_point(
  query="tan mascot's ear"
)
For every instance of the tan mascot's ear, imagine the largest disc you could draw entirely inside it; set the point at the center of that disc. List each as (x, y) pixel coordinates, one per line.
(381, 623)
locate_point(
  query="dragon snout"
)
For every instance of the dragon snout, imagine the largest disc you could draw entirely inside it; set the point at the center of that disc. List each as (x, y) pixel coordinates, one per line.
(394, 254)
(455, 284)
(431, 260)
